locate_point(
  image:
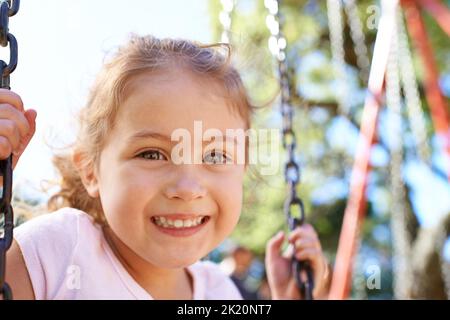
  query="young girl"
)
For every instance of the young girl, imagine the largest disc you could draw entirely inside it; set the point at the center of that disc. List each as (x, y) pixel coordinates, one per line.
(131, 223)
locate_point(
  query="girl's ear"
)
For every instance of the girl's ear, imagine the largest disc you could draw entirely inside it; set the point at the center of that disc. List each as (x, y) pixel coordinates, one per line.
(87, 174)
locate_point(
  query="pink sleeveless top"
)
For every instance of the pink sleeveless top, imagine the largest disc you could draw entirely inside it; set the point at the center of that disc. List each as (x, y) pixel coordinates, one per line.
(67, 257)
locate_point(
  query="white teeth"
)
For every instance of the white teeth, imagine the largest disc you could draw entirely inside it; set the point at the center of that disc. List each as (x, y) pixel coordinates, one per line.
(187, 223)
(178, 223)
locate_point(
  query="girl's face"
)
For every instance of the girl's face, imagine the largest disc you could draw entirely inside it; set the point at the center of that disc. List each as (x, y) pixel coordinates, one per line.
(145, 196)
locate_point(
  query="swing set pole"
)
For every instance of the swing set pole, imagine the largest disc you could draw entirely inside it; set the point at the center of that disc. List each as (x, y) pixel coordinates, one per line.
(355, 210)
(438, 106)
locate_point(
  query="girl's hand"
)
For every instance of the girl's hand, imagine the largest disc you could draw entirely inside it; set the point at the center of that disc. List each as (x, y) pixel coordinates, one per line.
(17, 126)
(279, 266)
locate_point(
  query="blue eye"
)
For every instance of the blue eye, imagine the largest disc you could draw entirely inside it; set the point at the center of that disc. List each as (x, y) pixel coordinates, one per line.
(216, 157)
(152, 155)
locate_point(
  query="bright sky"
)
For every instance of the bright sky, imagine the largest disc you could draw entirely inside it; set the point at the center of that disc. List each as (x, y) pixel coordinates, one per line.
(61, 47)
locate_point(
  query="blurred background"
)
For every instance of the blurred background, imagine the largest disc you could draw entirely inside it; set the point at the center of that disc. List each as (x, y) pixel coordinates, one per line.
(403, 248)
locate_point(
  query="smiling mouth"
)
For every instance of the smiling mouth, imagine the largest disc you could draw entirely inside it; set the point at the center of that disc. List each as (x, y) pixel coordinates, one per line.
(179, 224)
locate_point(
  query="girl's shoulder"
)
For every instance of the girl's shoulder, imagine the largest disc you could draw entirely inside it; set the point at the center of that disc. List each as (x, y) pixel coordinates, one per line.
(62, 225)
(211, 282)
(55, 234)
(49, 243)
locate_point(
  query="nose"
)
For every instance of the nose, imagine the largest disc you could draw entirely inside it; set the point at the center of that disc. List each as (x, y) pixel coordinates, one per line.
(185, 186)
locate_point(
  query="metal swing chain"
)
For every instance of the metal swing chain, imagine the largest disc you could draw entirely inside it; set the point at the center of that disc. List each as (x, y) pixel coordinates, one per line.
(336, 29)
(277, 46)
(359, 39)
(8, 8)
(401, 240)
(411, 91)
(225, 19)
(336, 23)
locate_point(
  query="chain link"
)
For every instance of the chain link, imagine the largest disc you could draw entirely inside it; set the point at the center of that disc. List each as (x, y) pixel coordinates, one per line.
(225, 20)
(336, 25)
(336, 29)
(277, 46)
(411, 91)
(403, 288)
(7, 10)
(399, 212)
(359, 39)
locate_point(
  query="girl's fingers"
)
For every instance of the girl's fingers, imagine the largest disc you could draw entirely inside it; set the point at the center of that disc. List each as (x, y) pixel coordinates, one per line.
(11, 135)
(319, 267)
(304, 243)
(12, 98)
(9, 112)
(310, 254)
(288, 252)
(30, 115)
(274, 246)
(305, 230)
(308, 248)
(5, 148)
(17, 126)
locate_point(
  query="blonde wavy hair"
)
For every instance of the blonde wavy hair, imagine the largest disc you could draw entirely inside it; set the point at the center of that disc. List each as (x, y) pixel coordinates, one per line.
(142, 54)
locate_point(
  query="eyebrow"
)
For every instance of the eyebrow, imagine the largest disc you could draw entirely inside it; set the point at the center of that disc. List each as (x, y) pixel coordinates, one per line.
(146, 134)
